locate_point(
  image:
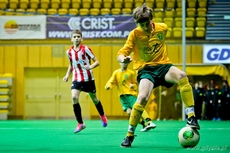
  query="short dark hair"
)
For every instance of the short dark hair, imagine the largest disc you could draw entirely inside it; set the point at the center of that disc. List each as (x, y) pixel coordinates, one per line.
(142, 13)
(76, 31)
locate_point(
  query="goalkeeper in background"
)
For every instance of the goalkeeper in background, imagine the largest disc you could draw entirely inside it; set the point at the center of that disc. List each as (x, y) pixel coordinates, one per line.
(125, 80)
(147, 42)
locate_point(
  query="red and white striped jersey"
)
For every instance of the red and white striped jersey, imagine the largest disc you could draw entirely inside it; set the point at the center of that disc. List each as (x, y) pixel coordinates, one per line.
(79, 58)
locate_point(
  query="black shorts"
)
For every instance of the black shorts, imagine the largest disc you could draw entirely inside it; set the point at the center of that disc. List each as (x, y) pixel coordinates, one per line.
(88, 86)
(156, 74)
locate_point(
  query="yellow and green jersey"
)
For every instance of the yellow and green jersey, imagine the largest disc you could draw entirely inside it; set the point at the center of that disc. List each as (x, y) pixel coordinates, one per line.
(123, 80)
(148, 49)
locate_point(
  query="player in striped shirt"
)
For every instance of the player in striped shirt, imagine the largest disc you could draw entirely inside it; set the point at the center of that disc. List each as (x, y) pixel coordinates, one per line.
(125, 80)
(147, 43)
(80, 66)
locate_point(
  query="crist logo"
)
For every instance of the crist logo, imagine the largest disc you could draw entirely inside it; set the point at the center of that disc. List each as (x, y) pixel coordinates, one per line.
(91, 23)
(218, 54)
(74, 23)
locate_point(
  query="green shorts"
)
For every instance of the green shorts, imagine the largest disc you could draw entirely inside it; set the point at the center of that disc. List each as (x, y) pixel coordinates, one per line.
(127, 101)
(156, 74)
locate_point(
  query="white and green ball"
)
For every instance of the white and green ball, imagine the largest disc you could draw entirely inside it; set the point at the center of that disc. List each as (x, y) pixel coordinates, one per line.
(188, 137)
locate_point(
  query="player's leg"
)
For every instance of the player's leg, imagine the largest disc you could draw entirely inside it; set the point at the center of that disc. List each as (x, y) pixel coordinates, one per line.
(142, 120)
(127, 102)
(145, 89)
(90, 88)
(203, 111)
(219, 110)
(99, 108)
(214, 110)
(128, 111)
(175, 75)
(77, 110)
(150, 125)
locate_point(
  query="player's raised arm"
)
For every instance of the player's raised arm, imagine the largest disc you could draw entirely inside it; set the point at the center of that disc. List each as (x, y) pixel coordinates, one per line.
(125, 51)
(112, 82)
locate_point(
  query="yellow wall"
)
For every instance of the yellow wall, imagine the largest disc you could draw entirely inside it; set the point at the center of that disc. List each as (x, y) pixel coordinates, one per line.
(15, 58)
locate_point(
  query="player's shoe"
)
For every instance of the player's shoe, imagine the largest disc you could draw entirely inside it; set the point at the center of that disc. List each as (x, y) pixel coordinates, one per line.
(79, 127)
(104, 120)
(192, 122)
(148, 127)
(127, 141)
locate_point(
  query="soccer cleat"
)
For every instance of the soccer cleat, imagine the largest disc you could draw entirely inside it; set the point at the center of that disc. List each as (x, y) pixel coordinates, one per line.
(149, 126)
(127, 141)
(79, 127)
(192, 122)
(104, 120)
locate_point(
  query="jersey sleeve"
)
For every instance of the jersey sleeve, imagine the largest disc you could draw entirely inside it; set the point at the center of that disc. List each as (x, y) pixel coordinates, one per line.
(129, 45)
(67, 55)
(89, 52)
(112, 81)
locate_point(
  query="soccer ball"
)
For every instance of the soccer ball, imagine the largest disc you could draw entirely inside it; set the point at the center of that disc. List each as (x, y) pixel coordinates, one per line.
(188, 137)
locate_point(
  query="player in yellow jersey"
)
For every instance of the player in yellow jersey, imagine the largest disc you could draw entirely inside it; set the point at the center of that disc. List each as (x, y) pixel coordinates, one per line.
(125, 80)
(147, 42)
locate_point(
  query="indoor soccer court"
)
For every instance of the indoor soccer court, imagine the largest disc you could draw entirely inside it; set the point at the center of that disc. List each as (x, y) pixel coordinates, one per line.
(56, 136)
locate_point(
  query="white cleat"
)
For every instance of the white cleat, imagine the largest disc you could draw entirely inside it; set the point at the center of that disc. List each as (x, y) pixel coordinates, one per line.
(149, 127)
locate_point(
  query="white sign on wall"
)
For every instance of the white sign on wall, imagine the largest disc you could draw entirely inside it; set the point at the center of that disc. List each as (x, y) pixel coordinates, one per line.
(216, 54)
(23, 27)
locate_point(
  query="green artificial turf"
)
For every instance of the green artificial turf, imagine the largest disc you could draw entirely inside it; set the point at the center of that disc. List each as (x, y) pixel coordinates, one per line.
(56, 136)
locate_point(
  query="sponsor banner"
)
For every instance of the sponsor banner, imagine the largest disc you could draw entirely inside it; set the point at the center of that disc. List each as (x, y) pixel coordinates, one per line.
(91, 27)
(216, 54)
(23, 27)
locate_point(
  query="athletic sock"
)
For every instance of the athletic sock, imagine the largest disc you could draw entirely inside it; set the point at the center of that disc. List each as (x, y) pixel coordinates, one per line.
(100, 108)
(134, 118)
(77, 112)
(145, 115)
(130, 134)
(142, 122)
(148, 120)
(187, 96)
(189, 111)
